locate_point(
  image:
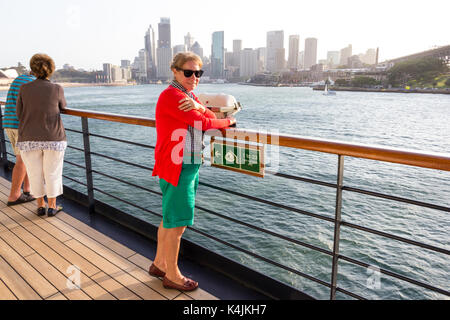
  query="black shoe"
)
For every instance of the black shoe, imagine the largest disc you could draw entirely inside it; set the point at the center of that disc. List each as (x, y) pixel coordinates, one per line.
(51, 212)
(41, 211)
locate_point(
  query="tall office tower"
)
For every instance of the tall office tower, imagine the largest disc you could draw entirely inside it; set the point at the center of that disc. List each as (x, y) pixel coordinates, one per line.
(310, 58)
(151, 53)
(237, 45)
(197, 49)
(188, 41)
(370, 57)
(139, 66)
(345, 54)
(164, 39)
(262, 54)
(164, 50)
(217, 55)
(248, 63)
(275, 50)
(301, 60)
(332, 58)
(294, 43)
(179, 48)
(236, 54)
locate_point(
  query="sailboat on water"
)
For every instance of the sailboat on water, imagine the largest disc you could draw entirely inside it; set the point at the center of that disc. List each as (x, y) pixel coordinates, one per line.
(327, 92)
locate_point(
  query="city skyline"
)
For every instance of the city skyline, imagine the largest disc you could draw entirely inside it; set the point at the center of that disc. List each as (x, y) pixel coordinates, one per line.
(86, 34)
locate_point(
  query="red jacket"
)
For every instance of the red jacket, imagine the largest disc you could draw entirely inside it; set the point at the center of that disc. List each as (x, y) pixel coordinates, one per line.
(171, 129)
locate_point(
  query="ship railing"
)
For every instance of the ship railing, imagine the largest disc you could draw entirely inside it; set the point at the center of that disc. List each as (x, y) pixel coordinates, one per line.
(437, 161)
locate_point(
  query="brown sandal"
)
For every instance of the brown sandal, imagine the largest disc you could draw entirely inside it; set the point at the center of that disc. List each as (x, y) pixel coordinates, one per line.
(188, 285)
(155, 271)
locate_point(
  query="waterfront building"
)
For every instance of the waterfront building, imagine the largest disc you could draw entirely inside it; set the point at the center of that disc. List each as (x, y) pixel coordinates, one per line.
(345, 54)
(164, 50)
(139, 67)
(236, 56)
(248, 63)
(116, 74)
(332, 58)
(310, 58)
(197, 49)
(275, 51)
(301, 60)
(150, 49)
(217, 55)
(179, 48)
(188, 41)
(370, 57)
(229, 61)
(294, 43)
(262, 54)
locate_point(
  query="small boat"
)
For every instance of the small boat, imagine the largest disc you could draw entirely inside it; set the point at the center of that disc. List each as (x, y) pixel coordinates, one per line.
(327, 92)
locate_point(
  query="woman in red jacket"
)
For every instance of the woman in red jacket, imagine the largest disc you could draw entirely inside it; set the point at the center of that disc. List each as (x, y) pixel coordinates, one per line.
(180, 122)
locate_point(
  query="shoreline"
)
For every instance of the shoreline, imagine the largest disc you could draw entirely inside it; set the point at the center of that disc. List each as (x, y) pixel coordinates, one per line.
(77, 84)
(321, 88)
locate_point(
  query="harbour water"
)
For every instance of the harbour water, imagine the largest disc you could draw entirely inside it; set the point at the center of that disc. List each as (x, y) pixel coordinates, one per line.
(412, 121)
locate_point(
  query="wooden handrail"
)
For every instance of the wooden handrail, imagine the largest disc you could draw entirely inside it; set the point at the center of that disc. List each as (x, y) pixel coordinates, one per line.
(432, 160)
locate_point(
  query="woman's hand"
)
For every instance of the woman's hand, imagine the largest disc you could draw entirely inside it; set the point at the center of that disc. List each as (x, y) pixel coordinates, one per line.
(233, 120)
(188, 104)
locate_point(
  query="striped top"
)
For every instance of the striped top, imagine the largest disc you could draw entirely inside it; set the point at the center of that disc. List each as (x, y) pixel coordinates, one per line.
(194, 145)
(10, 117)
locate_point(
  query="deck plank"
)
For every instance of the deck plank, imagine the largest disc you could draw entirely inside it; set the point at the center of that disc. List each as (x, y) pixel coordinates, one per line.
(44, 288)
(121, 276)
(98, 236)
(60, 263)
(36, 254)
(5, 293)
(21, 247)
(114, 287)
(56, 278)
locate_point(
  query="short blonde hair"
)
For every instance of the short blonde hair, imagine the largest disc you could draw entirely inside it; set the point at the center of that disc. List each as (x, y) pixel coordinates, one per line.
(182, 57)
(42, 65)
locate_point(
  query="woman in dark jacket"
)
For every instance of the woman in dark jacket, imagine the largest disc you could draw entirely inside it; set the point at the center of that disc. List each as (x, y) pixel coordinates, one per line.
(42, 138)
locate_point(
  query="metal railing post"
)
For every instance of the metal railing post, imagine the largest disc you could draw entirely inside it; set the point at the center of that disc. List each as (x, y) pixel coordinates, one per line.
(337, 226)
(87, 159)
(4, 155)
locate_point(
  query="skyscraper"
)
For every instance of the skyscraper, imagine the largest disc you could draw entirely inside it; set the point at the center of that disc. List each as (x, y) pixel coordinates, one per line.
(188, 41)
(197, 49)
(310, 57)
(275, 51)
(332, 58)
(248, 63)
(164, 50)
(217, 55)
(151, 53)
(345, 54)
(294, 43)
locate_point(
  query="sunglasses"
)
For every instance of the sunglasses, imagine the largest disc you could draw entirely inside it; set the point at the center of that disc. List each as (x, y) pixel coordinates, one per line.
(189, 73)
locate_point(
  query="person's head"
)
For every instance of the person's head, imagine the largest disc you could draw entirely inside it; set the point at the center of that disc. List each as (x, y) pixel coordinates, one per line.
(186, 68)
(42, 66)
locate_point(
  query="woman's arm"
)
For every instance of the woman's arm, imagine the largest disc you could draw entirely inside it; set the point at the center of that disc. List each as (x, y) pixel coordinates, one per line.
(61, 99)
(170, 103)
(19, 105)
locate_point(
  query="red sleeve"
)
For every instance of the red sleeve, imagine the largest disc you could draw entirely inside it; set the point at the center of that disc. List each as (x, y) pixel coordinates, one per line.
(170, 102)
(208, 113)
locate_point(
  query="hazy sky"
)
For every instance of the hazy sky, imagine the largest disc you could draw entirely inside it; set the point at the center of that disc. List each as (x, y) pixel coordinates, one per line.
(87, 33)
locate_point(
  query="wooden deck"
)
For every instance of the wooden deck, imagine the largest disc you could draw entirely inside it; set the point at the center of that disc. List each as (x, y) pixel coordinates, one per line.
(38, 255)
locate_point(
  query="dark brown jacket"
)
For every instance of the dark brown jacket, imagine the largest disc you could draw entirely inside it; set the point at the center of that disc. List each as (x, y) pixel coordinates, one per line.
(38, 110)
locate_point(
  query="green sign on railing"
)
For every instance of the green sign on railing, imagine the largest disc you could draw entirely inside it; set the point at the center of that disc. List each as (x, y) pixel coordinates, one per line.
(244, 158)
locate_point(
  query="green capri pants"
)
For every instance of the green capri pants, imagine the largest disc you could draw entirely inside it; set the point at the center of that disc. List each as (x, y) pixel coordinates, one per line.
(179, 202)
